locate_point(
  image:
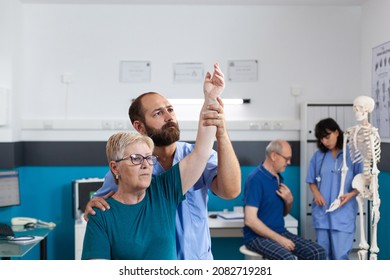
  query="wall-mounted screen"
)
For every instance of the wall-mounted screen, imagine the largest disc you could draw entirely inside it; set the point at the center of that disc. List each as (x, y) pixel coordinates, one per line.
(83, 191)
(9, 188)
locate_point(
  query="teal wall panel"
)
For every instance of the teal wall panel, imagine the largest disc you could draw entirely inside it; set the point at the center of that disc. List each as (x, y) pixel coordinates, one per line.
(46, 194)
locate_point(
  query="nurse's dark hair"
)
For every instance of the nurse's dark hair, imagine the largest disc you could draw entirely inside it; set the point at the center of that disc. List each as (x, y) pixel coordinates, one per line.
(324, 128)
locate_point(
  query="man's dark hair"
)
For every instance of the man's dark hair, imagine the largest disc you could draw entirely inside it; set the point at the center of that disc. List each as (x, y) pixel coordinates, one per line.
(136, 110)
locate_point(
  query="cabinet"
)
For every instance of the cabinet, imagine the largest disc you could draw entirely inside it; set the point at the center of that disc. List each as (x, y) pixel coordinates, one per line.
(311, 113)
(79, 232)
(83, 190)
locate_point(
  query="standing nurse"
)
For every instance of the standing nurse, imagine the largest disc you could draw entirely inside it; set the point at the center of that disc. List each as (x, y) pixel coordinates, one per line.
(334, 230)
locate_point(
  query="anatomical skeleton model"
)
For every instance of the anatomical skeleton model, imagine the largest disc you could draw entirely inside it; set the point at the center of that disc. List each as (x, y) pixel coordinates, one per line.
(364, 143)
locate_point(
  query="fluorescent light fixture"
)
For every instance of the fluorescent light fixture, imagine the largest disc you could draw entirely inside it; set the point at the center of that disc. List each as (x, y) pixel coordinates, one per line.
(226, 101)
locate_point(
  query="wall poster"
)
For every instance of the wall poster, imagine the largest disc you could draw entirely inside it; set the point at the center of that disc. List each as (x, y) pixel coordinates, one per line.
(243, 70)
(191, 72)
(381, 89)
(135, 72)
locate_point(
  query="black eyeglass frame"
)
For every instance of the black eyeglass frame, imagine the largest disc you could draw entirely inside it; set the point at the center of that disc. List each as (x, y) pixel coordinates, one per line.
(285, 158)
(151, 159)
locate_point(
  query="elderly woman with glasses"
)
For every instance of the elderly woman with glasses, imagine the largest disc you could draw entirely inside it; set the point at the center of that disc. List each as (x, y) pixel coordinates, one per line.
(141, 221)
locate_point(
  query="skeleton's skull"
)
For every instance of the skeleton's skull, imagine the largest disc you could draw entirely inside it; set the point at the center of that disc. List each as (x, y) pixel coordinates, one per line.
(363, 105)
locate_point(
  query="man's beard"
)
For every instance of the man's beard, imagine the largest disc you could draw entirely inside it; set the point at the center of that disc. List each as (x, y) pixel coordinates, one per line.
(164, 136)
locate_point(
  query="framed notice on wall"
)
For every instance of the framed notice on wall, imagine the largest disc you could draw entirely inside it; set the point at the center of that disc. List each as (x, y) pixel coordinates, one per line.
(134, 71)
(192, 72)
(243, 70)
(381, 89)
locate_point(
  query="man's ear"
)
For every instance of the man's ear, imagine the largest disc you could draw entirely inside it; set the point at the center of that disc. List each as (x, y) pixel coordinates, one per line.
(139, 126)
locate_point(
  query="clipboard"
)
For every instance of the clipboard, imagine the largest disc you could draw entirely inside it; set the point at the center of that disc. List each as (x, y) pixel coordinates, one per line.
(231, 215)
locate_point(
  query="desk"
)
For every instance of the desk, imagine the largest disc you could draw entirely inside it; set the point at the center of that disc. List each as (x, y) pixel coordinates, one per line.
(9, 250)
(220, 227)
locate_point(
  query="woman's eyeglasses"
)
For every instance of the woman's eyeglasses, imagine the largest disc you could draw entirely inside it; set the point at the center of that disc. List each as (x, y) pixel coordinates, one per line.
(138, 159)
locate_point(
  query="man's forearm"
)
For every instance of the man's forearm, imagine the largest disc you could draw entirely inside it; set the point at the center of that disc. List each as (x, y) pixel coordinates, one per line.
(287, 208)
(192, 166)
(228, 183)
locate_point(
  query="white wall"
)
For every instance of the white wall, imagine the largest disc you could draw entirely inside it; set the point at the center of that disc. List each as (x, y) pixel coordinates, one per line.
(316, 48)
(9, 44)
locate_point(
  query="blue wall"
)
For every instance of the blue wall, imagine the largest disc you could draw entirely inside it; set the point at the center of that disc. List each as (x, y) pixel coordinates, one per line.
(46, 193)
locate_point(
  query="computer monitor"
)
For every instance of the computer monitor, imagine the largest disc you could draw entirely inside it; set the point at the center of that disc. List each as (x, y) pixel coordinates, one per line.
(83, 191)
(9, 188)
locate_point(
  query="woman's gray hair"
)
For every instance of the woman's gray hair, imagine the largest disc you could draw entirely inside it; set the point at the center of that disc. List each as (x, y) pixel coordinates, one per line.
(275, 146)
(117, 144)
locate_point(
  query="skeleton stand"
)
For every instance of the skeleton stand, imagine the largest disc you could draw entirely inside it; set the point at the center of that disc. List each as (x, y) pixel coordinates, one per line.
(364, 143)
